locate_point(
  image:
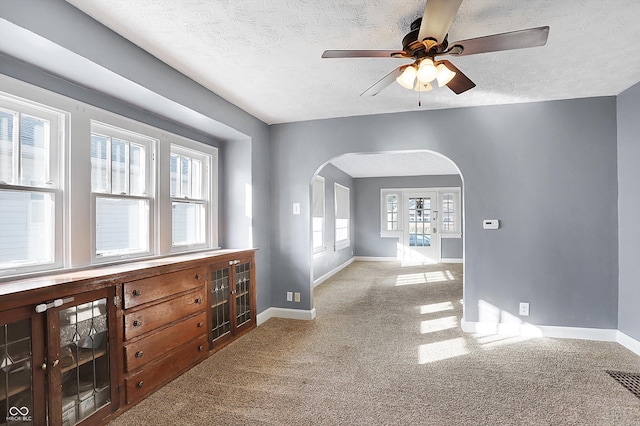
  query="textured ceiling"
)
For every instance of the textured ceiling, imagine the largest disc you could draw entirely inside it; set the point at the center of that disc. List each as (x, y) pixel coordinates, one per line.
(404, 163)
(264, 55)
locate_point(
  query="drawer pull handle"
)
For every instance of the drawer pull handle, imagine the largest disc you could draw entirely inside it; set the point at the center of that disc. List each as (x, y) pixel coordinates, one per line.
(137, 323)
(231, 262)
(140, 383)
(200, 324)
(137, 292)
(139, 354)
(200, 348)
(197, 276)
(198, 300)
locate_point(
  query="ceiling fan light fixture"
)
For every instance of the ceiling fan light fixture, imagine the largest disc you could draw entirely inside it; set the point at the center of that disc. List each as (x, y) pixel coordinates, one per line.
(423, 87)
(427, 71)
(408, 77)
(445, 75)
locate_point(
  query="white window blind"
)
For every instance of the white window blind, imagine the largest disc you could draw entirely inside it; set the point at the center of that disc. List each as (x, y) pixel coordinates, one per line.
(318, 200)
(341, 194)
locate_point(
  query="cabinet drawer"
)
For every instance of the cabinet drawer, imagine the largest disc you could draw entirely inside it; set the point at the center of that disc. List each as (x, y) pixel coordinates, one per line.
(146, 319)
(153, 288)
(154, 346)
(155, 375)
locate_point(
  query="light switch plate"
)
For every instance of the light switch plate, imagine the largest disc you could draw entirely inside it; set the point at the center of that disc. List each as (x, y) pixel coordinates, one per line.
(296, 208)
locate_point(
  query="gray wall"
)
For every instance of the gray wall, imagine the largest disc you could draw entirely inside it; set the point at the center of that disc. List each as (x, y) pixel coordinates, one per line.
(369, 243)
(546, 170)
(333, 258)
(61, 23)
(628, 208)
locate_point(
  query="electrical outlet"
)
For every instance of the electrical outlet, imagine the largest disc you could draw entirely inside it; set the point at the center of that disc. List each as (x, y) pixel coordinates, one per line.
(289, 296)
(296, 297)
(524, 309)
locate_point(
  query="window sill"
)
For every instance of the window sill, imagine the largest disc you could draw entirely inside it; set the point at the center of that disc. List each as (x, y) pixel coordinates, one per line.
(340, 245)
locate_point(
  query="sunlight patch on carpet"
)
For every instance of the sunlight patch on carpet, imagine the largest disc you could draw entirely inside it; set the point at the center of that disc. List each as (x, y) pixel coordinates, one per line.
(438, 324)
(436, 307)
(438, 351)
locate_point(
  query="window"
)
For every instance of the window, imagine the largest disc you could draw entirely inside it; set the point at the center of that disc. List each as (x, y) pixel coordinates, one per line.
(341, 194)
(190, 197)
(318, 214)
(120, 183)
(450, 207)
(391, 212)
(31, 141)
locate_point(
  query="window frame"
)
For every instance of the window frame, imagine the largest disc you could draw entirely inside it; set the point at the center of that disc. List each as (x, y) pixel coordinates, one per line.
(54, 184)
(132, 137)
(343, 243)
(457, 231)
(384, 195)
(206, 200)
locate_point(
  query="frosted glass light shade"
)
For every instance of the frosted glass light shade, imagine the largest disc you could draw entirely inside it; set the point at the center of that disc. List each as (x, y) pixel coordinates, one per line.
(408, 77)
(427, 71)
(445, 75)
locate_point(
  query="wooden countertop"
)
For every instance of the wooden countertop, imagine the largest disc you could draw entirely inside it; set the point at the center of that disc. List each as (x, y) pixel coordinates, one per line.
(108, 273)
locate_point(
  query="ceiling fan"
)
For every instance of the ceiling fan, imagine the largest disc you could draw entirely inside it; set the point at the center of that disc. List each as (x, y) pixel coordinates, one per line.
(428, 40)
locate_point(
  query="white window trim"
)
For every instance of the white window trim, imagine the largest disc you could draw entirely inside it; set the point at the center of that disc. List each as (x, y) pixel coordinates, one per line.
(384, 232)
(344, 243)
(208, 157)
(150, 144)
(34, 101)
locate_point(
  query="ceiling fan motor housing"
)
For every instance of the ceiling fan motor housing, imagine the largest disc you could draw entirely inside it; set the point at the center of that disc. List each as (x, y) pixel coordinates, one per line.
(416, 48)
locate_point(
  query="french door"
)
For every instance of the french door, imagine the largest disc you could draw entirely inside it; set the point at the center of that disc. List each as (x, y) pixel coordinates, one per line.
(421, 239)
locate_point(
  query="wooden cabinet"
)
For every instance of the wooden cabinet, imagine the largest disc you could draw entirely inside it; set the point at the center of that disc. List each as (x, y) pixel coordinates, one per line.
(164, 317)
(84, 346)
(57, 362)
(232, 299)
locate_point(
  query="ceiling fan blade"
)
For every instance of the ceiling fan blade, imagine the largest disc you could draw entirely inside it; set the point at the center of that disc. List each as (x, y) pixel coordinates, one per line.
(531, 37)
(384, 82)
(437, 19)
(361, 53)
(460, 83)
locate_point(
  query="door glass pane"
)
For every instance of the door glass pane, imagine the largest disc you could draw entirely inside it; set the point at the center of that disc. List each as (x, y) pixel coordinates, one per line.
(16, 393)
(7, 130)
(34, 150)
(99, 158)
(27, 228)
(122, 225)
(419, 222)
(84, 360)
(118, 166)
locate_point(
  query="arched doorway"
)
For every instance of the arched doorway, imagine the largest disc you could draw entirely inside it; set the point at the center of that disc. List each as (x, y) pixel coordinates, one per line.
(403, 205)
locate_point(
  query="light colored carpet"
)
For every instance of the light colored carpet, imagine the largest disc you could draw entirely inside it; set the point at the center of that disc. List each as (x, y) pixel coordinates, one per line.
(386, 349)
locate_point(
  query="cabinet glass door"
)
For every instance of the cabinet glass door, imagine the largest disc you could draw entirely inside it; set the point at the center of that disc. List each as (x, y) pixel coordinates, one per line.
(84, 359)
(243, 293)
(220, 309)
(16, 373)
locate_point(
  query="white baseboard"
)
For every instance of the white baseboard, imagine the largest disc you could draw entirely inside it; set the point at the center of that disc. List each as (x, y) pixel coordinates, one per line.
(332, 272)
(377, 259)
(446, 260)
(628, 342)
(297, 314)
(530, 330)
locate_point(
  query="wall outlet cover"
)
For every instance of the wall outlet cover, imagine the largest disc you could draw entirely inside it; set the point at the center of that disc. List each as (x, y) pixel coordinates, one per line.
(289, 296)
(524, 309)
